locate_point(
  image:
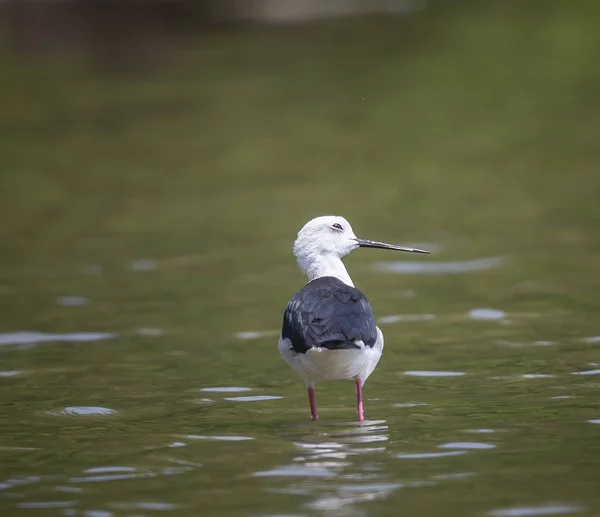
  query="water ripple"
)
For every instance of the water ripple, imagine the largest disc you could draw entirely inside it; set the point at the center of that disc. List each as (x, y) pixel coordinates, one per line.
(467, 445)
(26, 337)
(75, 489)
(487, 314)
(230, 438)
(336, 502)
(255, 398)
(396, 318)
(428, 373)
(97, 513)
(296, 471)
(592, 339)
(427, 455)
(255, 334)
(527, 511)
(373, 487)
(48, 504)
(112, 477)
(83, 411)
(413, 267)
(457, 475)
(10, 373)
(105, 470)
(587, 372)
(226, 389)
(154, 506)
(250, 334)
(25, 480)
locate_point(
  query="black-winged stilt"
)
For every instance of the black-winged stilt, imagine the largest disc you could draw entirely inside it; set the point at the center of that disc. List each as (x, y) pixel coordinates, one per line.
(329, 332)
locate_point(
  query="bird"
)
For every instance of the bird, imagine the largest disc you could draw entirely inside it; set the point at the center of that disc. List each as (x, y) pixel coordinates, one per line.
(328, 330)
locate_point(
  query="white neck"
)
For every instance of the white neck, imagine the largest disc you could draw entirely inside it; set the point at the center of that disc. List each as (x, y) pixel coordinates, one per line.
(316, 266)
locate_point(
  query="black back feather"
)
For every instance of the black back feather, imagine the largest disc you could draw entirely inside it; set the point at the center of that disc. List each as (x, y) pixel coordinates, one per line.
(328, 313)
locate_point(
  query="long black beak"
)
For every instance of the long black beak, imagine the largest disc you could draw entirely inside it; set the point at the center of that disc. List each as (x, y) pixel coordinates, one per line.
(364, 243)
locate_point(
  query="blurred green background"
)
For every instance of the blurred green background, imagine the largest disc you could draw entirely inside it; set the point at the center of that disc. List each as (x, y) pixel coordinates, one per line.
(201, 146)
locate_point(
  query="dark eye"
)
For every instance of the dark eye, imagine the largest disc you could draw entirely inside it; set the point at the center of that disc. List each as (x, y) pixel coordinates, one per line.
(337, 226)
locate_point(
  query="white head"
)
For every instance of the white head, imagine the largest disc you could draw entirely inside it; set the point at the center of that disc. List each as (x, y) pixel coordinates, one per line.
(325, 235)
(322, 243)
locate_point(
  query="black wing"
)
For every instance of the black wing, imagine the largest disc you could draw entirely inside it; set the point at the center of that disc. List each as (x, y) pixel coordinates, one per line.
(328, 313)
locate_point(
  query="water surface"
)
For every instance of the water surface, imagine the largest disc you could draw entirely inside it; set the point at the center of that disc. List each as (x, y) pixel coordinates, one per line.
(147, 262)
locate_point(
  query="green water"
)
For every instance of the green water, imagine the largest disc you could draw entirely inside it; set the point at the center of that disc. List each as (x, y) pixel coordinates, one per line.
(160, 207)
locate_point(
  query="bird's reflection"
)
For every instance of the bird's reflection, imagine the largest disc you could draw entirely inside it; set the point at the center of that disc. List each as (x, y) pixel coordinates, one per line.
(335, 465)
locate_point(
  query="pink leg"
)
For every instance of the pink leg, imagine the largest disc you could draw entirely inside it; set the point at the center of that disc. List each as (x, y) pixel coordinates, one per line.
(313, 405)
(359, 401)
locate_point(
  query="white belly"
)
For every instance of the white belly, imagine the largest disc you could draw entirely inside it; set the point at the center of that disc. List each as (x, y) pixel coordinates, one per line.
(321, 364)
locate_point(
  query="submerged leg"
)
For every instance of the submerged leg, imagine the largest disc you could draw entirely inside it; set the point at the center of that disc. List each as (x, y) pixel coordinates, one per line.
(359, 400)
(313, 405)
